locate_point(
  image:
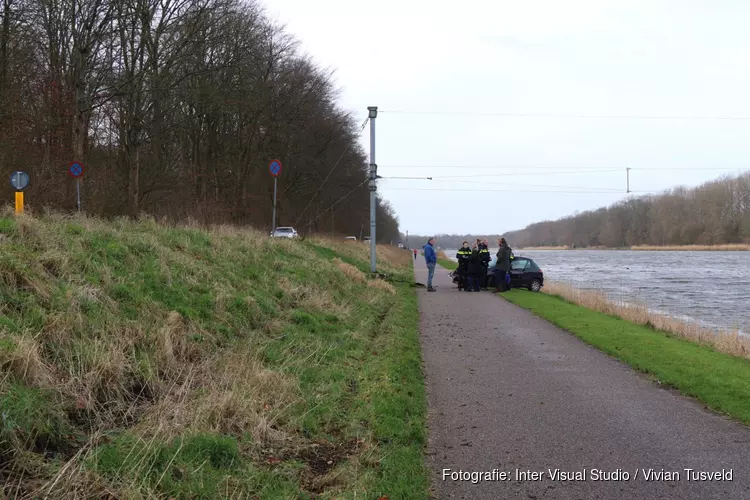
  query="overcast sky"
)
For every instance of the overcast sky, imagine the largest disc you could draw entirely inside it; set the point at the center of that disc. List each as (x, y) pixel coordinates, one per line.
(657, 58)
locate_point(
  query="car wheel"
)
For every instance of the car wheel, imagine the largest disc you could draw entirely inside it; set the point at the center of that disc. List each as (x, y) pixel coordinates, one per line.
(535, 286)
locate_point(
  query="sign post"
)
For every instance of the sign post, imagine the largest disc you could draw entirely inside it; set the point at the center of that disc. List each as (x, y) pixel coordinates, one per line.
(274, 168)
(19, 180)
(75, 170)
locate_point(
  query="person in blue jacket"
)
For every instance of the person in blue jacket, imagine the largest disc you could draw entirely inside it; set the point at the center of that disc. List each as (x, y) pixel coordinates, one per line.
(430, 258)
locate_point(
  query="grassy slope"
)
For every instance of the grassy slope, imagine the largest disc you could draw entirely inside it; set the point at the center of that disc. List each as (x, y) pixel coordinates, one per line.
(444, 261)
(448, 264)
(719, 380)
(160, 362)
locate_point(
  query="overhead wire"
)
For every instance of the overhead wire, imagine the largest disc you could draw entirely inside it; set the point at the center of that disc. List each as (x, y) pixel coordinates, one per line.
(563, 115)
(364, 124)
(484, 183)
(522, 174)
(514, 191)
(337, 202)
(583, 169)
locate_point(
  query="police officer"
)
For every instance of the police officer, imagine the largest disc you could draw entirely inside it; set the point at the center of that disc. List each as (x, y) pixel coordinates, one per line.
(463, 256)
(474, 269)
(484, 260)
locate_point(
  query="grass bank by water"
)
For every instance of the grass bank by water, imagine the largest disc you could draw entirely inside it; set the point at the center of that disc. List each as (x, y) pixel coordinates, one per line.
(445, 261)
(144, 361)
(717, 379)
(729, 342)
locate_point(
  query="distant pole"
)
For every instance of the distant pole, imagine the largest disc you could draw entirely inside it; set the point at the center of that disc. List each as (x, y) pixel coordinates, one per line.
(407, 239)
(78, 193)
(627, 172)
(273, 222)
(373, 186)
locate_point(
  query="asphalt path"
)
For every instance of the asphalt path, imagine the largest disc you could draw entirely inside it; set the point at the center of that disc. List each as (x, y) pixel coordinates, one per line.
(509, 393)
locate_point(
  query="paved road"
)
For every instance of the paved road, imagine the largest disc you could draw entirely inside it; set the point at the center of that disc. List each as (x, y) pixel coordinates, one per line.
(509, 391)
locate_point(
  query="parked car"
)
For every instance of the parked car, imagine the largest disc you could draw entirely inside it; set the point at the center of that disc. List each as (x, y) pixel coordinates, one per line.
(284, 232)
(351, 238)
(524, 273)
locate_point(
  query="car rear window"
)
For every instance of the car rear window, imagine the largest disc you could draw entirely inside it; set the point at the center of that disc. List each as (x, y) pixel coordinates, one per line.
(518, 264)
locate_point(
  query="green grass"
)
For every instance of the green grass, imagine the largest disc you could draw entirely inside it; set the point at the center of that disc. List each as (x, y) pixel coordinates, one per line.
(153, 361)
(448, 264)
(718, 380)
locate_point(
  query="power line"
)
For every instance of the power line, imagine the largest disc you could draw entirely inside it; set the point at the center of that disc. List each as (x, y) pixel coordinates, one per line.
(585, 169)
(562, 115)
(484, 183)
(336, 203)
(514, 191)
(364, 124)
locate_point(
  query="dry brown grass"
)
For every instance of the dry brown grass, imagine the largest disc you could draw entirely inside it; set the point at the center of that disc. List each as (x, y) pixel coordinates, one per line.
(21, 358)
(350, 271)
(232, 393)
(733, 247)
(382, 285)
(315, 298)
(725, 341)
(388, 257)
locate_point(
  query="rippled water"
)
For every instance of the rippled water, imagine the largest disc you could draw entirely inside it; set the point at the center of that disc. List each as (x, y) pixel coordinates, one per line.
(710, 287)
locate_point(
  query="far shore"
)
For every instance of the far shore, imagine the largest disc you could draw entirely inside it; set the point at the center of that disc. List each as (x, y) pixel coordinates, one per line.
(731, 247)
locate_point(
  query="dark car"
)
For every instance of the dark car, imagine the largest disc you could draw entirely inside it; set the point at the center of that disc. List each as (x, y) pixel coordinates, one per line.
(524, 273)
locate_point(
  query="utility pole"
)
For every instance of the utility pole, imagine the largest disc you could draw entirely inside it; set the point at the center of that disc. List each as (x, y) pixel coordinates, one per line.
(627, 171)
(373, 113)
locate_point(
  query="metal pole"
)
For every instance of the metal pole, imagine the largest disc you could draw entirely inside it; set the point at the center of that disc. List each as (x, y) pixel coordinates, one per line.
(628, 179)
(273, 222)
(78, 193)
(373, 113)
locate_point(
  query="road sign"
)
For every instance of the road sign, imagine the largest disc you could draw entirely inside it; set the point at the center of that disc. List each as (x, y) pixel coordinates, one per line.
(75, 169)
(19, 180)
(274, 168)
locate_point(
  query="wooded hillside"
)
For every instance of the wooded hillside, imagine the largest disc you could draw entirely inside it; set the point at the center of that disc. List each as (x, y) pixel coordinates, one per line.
(716, 212)
(175, 108)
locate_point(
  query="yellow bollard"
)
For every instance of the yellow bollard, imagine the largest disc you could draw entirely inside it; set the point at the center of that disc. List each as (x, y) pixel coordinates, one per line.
(19, 202)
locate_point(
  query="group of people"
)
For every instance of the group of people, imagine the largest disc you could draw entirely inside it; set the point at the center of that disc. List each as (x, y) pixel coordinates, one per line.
(473, 264)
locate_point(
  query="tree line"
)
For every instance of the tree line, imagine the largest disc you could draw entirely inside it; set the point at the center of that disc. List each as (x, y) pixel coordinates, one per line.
(175, 108)
(714, 213)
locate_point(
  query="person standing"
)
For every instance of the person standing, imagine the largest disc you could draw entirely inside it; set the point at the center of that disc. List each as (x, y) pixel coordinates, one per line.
(463, 256)
(503, 266)
(415, 254)
(430, 258)
(484, 260)
(474, 269)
